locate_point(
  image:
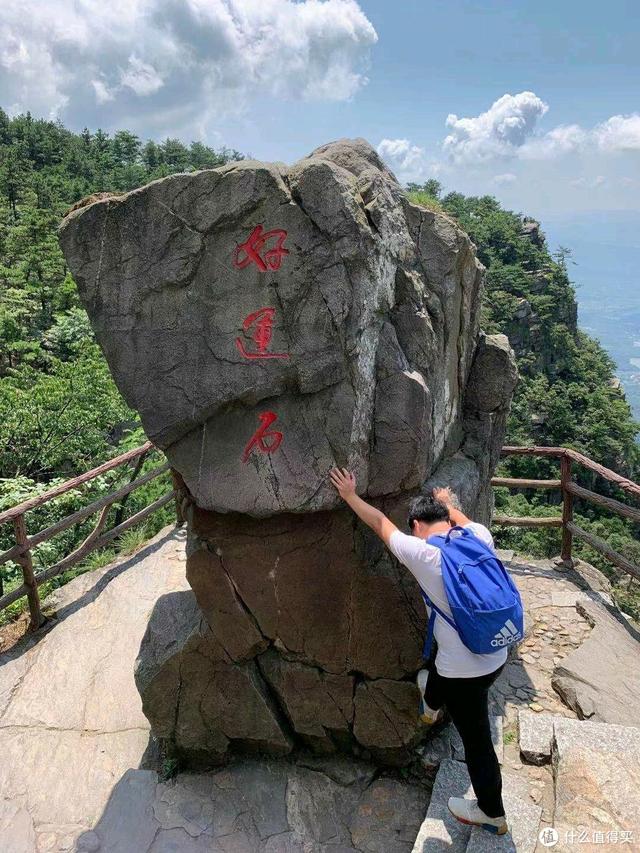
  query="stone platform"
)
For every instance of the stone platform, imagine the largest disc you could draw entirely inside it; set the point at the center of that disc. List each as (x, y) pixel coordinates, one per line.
(80, 771)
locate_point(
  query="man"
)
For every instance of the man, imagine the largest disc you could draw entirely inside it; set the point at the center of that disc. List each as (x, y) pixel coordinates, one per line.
(459, 678)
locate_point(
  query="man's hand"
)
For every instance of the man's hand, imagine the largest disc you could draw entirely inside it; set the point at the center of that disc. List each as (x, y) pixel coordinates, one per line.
(344, 481)
(449, 499)
(445, 496)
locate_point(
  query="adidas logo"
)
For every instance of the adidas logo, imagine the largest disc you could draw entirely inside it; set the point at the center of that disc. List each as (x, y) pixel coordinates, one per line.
(508, 634)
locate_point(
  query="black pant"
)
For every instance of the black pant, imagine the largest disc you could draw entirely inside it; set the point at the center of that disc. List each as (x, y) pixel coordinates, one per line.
(467, 700)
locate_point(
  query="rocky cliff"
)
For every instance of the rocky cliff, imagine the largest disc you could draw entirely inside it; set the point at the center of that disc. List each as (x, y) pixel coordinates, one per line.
(268, 323)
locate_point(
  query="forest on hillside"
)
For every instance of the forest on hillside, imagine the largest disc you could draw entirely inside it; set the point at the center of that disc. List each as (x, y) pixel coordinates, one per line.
(567, 394)
(61, 414)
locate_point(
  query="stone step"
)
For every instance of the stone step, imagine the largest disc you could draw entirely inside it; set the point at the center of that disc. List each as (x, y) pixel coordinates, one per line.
(535, 735)
(597, 779)
(505, 554)
(523, 817)
(606, 737)
(440, 830)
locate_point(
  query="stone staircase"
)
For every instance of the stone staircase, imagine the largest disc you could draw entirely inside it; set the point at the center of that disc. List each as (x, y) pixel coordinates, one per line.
(595, 786)
(441, 831)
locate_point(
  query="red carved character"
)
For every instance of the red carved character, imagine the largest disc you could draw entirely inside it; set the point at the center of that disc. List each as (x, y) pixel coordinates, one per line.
(260, 326)
(266, 442)
(249, 252)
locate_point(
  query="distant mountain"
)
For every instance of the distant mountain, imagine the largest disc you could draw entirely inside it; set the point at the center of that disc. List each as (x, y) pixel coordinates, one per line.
(606, 252)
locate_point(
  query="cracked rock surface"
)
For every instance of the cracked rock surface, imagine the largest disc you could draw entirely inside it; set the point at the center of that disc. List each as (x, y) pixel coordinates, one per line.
(270, 322)
(375, 325)
(261, 806)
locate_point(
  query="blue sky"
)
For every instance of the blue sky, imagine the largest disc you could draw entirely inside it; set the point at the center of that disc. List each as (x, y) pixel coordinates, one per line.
(537, 103)
(543, 98)
(435, 58)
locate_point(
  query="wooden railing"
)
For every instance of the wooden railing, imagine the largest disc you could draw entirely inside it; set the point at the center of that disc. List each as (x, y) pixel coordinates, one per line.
(24, 543)
(570, 490)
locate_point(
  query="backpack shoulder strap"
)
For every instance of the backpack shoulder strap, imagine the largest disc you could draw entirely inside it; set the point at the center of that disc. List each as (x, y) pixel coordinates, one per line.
(433, 609)
(463, 532)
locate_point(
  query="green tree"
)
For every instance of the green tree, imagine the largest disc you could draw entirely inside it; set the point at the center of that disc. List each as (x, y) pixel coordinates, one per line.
(126, 148)
(151, 156)
(175, 155)
(14, 174)
(432, 188)
(58, 423)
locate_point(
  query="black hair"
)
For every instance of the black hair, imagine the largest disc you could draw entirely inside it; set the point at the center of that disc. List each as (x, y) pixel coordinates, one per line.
(428, 509)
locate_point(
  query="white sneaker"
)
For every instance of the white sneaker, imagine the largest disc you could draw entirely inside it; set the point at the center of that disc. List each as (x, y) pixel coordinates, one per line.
(467, 811)
(428, 715)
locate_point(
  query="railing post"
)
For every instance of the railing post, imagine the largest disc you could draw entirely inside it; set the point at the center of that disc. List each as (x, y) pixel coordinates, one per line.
(25, 561)
(567, 510)
(178, 486)
(136, 470)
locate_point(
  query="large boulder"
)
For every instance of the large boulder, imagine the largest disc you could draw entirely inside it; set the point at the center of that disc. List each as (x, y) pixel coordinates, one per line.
(268, 323)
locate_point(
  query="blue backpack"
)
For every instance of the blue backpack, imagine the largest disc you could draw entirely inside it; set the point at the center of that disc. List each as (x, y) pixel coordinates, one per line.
(484, 601)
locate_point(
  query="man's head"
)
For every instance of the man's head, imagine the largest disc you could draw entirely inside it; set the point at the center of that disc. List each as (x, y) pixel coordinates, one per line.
(426, 514)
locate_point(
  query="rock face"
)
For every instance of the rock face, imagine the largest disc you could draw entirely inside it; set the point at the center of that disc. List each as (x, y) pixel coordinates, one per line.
(589, 679)
(597, 773)
(268, 323)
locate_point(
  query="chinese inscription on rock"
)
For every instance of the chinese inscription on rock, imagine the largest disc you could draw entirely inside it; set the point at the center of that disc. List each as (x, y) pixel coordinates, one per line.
(266, 250)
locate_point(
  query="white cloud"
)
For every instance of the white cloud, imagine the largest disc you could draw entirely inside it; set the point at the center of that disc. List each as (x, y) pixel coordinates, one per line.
(509, 129)
(506, 178)
(140, 77)
(564, 139)
(103, 92)
(505, 150)
(498, 132)
(177, 62)
(589, 183)
(402, 156)
(619, 133)
(13, 52)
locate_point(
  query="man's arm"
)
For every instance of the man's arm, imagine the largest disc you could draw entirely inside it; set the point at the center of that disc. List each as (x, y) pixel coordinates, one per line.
(456, 515)
(345, 483)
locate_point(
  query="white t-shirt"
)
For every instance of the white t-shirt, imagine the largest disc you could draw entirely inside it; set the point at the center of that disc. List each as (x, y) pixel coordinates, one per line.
(453, 660)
